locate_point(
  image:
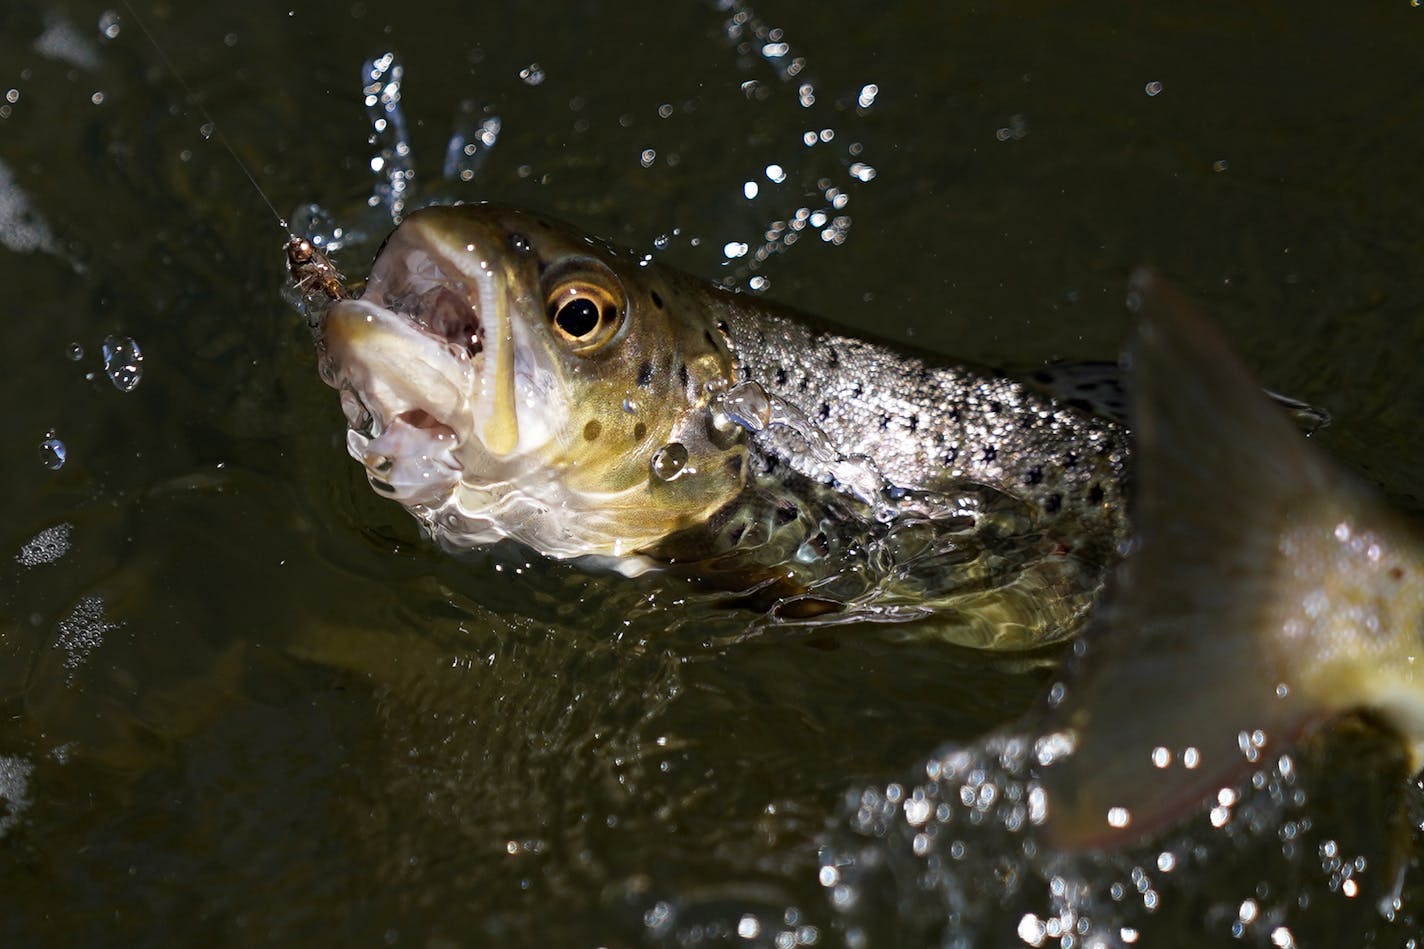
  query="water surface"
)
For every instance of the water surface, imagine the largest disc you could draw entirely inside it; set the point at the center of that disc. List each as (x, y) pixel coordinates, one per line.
(244, 701)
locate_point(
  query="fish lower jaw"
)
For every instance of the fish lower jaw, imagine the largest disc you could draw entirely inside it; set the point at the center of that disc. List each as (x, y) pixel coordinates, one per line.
(411, 461)
(559, 525)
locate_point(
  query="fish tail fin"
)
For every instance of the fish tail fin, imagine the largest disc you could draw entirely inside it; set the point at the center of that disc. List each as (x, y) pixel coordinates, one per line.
(1177, 694)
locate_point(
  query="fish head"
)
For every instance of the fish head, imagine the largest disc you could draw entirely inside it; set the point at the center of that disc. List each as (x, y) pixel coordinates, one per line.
(504, 375)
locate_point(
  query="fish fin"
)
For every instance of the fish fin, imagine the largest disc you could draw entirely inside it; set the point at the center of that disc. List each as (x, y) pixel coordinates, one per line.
(1173, 681)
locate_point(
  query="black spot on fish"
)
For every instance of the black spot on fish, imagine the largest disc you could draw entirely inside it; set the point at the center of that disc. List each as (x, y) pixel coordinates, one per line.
(640, 431)
(1043, 376)
(780, 376)
(951, 454)
(734, 466)
(592, 430)
(657, 300)
(1053, 503)
(1095, 494)
(682, 374)
(914, 423)
(1034, 475)
(1086, 386)
(884, 423)
(824, 411)
(545, 224)
(761, 337)
(834, 359)
(707, 335)
(804, 385)
(990, 452)
(995, 407)
(786, 512)
(520, 244)
(645, 373)
(1070, 461)
(722, 328)
(1082, 405)
(857, 390)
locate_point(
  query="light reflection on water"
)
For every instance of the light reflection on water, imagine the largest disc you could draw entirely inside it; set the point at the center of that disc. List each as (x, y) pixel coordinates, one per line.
(291, 689)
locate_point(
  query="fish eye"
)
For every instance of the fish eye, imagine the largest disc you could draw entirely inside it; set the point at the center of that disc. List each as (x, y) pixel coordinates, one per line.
(585, 308)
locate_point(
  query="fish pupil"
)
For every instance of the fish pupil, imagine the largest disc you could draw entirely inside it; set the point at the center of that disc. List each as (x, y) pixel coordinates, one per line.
(578, 317)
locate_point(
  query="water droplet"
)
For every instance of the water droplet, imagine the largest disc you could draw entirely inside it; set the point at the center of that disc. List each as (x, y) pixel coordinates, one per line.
(53, 453)
(109, 25)
(533, 74)
(123, 362)
(746, 405)
(670, 461)
(317, 225)
(1153, 88)
(74, 351)
(647, 157)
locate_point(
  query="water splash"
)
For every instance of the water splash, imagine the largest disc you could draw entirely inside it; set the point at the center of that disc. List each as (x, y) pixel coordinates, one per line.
(319, 226)
(955, 856)
(123, 362)
(475, 132)
(393, 165)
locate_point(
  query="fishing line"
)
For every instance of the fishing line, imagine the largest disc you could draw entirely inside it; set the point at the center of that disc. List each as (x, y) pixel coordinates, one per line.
(192, 100)
(315, 279)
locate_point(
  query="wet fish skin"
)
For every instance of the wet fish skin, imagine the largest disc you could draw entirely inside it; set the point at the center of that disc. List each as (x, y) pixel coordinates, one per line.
(559, 448)
(929, 422)
(1268, 594)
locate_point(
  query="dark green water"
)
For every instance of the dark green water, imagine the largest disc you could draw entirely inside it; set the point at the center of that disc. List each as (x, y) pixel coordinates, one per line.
(247, 704)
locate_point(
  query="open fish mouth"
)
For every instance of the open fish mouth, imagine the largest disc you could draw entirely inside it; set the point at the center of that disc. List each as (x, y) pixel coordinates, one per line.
(405, 372)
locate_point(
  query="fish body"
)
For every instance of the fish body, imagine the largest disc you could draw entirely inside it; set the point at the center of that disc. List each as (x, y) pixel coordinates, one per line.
(1268, 594)
(507, 376)
(521, 394)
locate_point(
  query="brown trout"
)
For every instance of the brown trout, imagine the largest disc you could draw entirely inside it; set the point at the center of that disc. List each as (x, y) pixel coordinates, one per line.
(506, 376)
(1268, 593)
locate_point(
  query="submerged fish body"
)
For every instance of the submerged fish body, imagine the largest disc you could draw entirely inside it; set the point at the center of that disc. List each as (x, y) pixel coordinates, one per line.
(1268, 594)
(506, 376)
